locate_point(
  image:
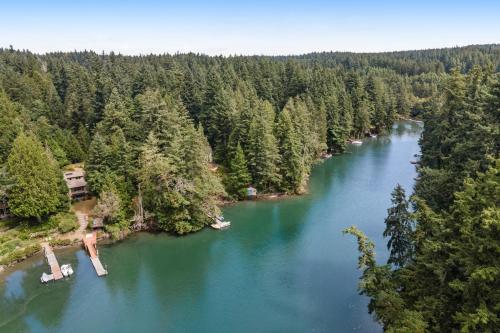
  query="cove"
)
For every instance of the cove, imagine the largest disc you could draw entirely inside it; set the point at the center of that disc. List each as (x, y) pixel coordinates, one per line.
(283, 266)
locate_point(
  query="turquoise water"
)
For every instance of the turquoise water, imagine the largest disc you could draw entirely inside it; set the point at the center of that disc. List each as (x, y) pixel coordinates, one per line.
(283, 266)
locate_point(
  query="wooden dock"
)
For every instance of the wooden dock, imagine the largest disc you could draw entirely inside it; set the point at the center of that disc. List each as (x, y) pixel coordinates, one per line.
(52, 261)
(90, 243)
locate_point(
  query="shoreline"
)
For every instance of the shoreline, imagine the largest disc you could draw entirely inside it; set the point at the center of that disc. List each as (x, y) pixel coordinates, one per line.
(108, 240)
(103, 235)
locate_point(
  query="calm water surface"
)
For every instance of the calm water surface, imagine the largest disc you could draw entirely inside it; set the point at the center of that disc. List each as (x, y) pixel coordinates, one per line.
(283, 266)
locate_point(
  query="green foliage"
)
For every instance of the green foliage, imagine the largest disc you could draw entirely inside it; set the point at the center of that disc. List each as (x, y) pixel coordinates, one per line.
(20, 254)
(116, 230)
(38, 188)
(238, 179)
(176, 182)
(10, 125)
(65, 222)
(292, 160)
(262, 152)
(460, 135)
(110, 206)
(398, 227)
(283, 113)
(446, 274)
(182, 227)
(366, 247)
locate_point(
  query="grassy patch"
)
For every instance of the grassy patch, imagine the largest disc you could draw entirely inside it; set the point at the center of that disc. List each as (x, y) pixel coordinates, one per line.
(20, 239)
(20, 254)
(85, 206)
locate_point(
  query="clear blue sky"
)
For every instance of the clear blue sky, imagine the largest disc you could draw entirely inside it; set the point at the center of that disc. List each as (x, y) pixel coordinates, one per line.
(250, 27)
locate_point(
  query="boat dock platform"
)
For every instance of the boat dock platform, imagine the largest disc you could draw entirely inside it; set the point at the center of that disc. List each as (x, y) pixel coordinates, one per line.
(90, 243)
(52, 261)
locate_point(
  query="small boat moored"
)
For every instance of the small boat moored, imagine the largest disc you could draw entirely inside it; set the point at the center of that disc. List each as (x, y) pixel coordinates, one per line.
(66, 270)
(220, 223)
(46, 277)
(356, 142)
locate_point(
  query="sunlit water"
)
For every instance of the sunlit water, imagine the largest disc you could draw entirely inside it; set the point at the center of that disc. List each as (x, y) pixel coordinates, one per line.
(283, 266)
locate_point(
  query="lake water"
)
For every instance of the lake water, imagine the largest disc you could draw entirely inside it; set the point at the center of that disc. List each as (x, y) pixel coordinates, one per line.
(283, 266)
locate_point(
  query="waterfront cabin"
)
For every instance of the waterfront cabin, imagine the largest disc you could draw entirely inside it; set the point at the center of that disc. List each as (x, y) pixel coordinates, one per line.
(251, 191)
(75, 180)
(98, 223)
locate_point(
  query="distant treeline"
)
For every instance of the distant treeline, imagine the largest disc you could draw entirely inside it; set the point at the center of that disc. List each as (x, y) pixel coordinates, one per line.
(156, 122)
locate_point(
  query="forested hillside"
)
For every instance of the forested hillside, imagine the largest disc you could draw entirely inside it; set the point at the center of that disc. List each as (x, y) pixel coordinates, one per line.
(158, 122)
(443, 274)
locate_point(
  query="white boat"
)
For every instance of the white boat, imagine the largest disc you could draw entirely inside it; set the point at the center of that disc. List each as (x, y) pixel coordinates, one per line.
(373, 136)
(356, 142)
(66, 270)
(46, 277)
(221, 225)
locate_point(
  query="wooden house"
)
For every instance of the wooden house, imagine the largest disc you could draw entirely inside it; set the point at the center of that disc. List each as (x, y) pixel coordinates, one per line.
(75, 179)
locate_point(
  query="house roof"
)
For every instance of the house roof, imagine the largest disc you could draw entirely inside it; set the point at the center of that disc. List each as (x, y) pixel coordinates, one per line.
(77, 173)
(73, 183)
(75, 178)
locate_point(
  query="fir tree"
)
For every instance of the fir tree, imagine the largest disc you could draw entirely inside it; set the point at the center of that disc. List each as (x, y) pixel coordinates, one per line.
(292, 161)
(398, 227)
(263, 154)
(238, 177)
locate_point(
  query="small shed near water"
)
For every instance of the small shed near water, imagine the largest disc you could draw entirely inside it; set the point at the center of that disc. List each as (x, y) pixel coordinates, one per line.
(97, 223)
(251, 191)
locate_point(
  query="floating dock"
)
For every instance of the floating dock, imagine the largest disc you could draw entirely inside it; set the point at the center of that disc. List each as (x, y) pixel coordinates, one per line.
(90, 243)
(52, 261)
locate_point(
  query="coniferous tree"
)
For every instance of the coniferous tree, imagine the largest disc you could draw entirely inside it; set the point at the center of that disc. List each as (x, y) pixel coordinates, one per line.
(101, 108)
(10, 125)
(336, 139)
(262, 151)
(238, 178)
(115, 114)
(362, 118)
(292, 160)
(96, 165)
(449, 282)
(164, 190)
(37, 185)
(398, 227)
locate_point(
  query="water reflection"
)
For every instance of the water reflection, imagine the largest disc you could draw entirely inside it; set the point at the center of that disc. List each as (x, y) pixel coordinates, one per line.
(14, 286)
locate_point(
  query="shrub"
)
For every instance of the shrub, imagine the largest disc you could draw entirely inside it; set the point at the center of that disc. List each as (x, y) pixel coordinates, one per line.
(65, 222)
(32, 249)
(114, 230)
(21, 254)
(182, 228)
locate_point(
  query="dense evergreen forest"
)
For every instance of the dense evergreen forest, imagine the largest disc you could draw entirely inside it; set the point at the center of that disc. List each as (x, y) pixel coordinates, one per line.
(443, 273)
(184, 131)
